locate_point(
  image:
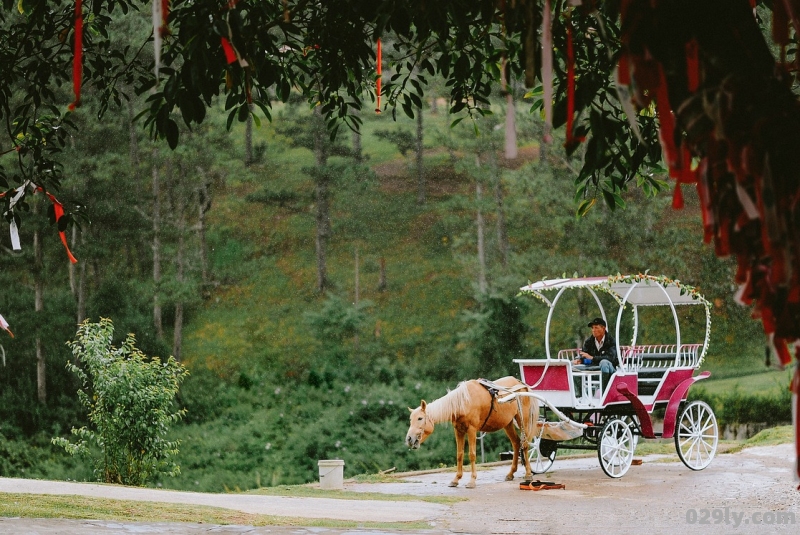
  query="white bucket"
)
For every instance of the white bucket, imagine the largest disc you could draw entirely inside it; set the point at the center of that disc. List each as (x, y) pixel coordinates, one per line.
(331, 474)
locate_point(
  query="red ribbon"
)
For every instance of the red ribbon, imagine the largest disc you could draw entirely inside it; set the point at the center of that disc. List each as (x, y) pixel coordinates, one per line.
(58, 210)
(230, 53)
(572, 140)
(164, 14)
(77, 58)
(379, 68)
(692, 65)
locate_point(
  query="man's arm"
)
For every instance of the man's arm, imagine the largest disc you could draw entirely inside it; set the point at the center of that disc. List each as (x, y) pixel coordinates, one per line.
(610, 350)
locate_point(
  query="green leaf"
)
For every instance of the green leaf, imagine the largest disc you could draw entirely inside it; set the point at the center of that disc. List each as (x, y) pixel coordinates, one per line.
(172, 133)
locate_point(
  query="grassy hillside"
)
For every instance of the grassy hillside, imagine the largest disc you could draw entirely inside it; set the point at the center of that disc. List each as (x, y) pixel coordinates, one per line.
(270, 392)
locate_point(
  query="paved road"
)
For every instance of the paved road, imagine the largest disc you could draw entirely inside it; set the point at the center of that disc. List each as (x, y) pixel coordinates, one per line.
(750, 492)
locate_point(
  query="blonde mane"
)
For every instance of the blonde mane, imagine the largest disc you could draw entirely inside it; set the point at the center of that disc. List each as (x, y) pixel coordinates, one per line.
(452, 404)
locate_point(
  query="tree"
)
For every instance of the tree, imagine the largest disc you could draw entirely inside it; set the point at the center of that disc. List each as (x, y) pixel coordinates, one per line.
(130, 402)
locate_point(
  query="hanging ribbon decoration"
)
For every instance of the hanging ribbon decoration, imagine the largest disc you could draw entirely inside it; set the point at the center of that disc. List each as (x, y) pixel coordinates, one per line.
(547, 71)
(77, 56)
(379, 69)
(572, 139)
(4, 326)
(58, 211)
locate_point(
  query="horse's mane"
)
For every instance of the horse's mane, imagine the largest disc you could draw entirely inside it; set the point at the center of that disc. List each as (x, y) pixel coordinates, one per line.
(452, 404)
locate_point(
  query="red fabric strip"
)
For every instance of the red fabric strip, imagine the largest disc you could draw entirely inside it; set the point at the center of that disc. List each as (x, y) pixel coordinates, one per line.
(77, 58)
(164, 14)
(677, 197)
(692, 66)
(58, 210)
(230, 54)
(780, 24)
(782, 351)
(379, 69)
(666, 126)
(624, 70)
(572, 140)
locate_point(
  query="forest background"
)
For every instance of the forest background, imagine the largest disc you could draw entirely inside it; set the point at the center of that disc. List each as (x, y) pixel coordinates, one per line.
(315, 289)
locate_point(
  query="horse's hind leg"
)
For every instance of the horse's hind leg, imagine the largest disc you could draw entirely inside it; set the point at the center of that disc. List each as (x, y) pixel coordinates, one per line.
(459, 457)
(473, 456)
(511, 432)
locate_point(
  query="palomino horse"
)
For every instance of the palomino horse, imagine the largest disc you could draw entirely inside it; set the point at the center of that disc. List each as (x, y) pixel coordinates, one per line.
(472, 407)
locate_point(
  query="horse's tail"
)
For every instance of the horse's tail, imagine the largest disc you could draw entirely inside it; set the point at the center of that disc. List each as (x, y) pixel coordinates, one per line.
(530, 420)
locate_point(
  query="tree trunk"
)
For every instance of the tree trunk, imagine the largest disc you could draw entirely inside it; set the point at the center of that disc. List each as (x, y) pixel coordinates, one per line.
(502, 234)
(357, 149)
(177, 337)
(356, 296)
(81, 296)
(481, 249)
(204, 205)
(133, 144)
(382, 276)
(419, 153)
(73, 286)
(322, 180)
(38, 275)
(511, 120)
(157, 319)
(248, 138)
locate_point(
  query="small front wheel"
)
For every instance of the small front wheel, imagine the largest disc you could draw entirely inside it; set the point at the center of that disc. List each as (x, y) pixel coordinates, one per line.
(615, 447)
(696, 435)
(541, 455)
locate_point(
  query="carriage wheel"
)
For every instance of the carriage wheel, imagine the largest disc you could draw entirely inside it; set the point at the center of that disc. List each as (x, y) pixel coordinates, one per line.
(541, 456)
(615, 447)
(697, 435)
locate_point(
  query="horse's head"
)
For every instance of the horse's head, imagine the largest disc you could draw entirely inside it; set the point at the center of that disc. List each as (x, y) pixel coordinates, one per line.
(421, 426)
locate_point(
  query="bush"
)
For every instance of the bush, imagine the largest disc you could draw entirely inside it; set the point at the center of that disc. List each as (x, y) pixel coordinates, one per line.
(736, 407)
(130, 403)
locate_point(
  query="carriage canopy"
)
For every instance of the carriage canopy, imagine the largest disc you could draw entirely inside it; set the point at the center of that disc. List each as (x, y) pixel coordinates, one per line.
(633, 290)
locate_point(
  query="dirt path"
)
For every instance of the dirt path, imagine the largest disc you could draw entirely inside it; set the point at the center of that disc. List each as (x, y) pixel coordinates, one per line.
(752, 491)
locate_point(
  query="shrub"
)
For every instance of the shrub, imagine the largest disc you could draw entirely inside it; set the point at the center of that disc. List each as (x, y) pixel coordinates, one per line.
(130, 403)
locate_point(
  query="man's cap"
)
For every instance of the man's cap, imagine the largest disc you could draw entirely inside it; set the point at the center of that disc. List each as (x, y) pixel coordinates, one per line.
(597, 321)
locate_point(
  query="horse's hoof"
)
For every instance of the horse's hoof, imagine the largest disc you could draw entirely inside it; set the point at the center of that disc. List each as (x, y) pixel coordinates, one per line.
(471, 485)
(454, 483)
(510, 477)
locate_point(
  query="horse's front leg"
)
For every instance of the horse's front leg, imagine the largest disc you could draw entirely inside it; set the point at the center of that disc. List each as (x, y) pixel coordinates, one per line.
(471, 438)
(511, 432)
(459, 456)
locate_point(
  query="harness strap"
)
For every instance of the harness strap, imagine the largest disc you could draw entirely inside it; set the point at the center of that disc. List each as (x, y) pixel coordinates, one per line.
(492, 389)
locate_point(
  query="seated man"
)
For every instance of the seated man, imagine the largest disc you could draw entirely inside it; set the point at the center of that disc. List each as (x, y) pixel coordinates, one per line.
(600, 349)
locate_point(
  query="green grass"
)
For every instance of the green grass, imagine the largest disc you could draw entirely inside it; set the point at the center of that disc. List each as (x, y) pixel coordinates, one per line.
(764, 383)
(80, 507)
(770, 437)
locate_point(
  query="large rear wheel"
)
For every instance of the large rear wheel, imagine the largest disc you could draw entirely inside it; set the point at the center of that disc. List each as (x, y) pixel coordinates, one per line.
(615, 447)
(696, 435)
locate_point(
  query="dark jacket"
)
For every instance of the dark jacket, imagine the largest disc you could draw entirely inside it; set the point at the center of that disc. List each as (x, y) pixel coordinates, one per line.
(608, 351)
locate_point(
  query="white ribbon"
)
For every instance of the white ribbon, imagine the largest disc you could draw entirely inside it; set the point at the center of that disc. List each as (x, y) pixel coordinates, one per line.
(12, 226)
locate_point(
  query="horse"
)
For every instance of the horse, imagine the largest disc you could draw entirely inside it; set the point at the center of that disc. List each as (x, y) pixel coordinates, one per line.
(473, 407)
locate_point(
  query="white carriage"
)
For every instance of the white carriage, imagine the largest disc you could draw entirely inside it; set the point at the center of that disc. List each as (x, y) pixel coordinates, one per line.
(581, 412)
